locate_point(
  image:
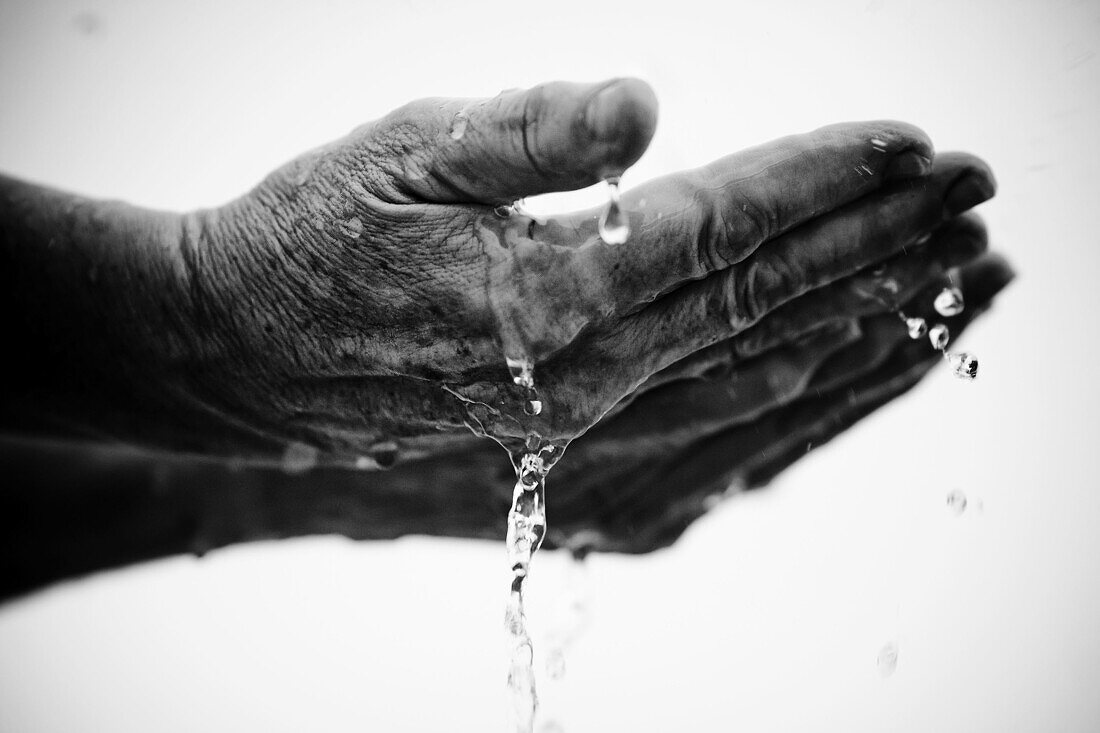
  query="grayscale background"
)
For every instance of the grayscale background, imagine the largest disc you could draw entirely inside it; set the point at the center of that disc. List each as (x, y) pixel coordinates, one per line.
(769, 614)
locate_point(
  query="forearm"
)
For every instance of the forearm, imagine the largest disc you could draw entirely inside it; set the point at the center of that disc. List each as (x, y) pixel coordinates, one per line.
(104, 333)
(67, 511)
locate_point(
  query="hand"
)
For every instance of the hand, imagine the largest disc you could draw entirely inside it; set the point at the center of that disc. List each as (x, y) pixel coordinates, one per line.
(339, 298)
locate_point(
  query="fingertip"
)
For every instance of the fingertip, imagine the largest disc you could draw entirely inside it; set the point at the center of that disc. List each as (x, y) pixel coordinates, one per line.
(906, 137)
(986, 277)
(621, 117)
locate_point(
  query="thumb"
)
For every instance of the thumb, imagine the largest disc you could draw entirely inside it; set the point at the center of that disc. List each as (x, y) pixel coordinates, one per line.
(554, 137)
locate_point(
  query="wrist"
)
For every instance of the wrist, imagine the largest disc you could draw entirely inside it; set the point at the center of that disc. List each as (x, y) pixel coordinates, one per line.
(98, 297)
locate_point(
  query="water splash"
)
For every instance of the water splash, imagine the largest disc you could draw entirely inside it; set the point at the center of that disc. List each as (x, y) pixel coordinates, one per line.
(613, 226)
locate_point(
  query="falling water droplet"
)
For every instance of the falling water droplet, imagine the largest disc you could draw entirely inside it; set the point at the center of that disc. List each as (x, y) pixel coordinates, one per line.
(949, 302)
(939, 336)
(956, 502)
(503, 211)
(888, 659)
(555, 663)
(613, 227)
(917, 327)
(964, 365)
(532, 406)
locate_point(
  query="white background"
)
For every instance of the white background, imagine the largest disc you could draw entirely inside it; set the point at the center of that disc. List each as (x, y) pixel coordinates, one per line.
(770, 612)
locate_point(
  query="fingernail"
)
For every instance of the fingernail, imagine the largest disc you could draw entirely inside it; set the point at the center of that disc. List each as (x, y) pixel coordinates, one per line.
(968, 193)
(908, 164)
(601, 113)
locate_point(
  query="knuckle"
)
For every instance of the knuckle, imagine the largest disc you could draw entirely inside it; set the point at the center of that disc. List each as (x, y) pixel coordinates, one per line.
(761, 286)
(711, 238)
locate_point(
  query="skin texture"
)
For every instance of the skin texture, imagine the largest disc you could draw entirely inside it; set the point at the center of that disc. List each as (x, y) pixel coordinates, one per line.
(355, 309)
(367, 293)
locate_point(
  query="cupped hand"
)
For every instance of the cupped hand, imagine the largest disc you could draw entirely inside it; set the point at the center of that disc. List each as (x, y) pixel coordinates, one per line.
(366, 295)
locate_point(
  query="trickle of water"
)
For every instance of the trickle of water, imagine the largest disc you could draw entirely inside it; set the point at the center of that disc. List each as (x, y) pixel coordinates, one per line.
(917, 327)
(963, 365)
(523, 375)
(521, 671)
(956, 502)
(526, 529)
(613, 227)
(887, 659)
(939, 336)
(949, 302)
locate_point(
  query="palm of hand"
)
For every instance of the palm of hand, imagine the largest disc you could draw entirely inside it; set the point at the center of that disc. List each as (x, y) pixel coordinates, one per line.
(373, 294)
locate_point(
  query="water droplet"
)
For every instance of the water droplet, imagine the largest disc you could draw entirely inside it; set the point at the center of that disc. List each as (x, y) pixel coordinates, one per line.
(366, 463)
(917, 327)
(878, 270)
(503, 211)
(458, 126)
(963, 365)
(888, 659)
(299, 457)
(939, 336)
(613, 227)
(889, 286)
(949, 302)
(532, 407)
(555, 663)
(956, 502)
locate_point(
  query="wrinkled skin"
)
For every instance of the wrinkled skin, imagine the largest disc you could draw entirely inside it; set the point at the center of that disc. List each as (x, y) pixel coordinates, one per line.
(361, 300)
(367, 292)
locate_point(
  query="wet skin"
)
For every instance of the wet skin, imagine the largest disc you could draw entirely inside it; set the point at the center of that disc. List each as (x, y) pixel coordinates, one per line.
(364, 296)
